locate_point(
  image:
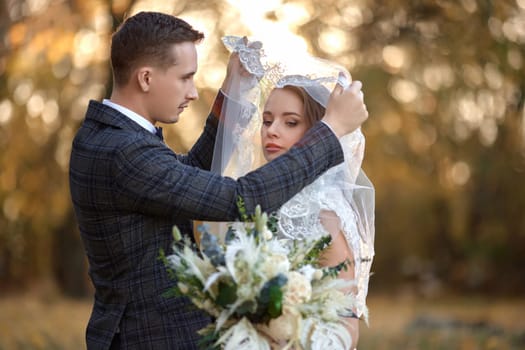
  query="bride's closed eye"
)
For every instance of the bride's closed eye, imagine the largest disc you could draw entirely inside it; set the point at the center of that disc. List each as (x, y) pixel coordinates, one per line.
(289, 123)
(267, 118)
(267, 121)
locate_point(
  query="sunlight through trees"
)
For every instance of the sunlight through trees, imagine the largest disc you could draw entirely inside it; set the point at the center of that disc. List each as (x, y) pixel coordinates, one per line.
(444, 83)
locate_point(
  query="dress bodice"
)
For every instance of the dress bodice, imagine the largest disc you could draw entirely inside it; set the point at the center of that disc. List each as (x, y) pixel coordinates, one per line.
(346, 191)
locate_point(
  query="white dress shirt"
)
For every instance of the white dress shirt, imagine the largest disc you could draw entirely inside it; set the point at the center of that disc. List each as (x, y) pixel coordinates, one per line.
(137, 118)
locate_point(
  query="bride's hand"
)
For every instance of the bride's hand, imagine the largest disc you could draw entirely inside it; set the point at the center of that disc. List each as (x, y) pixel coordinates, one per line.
(346, 110)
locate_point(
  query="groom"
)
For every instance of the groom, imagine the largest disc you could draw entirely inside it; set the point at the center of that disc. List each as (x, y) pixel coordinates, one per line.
(129, 189)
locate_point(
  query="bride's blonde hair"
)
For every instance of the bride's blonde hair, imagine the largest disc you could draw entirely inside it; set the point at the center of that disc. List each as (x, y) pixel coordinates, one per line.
(313, 110)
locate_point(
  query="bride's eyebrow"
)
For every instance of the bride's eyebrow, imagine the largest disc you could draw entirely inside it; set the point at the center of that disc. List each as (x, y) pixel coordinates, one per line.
(292, 114)
(286, 114)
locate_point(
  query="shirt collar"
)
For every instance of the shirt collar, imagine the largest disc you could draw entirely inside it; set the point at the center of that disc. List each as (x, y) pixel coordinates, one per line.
(137, 118)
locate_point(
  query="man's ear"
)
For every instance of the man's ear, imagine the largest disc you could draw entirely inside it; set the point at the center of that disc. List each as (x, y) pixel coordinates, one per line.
(144, 78)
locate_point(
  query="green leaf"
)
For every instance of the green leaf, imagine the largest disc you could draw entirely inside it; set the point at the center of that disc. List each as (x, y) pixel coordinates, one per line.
(227, 294)
(275, 306)
(272, 222)
(270, 300)
(314, 253)
(162, 257)
(334, 270)
(208, 339)
(242, 209)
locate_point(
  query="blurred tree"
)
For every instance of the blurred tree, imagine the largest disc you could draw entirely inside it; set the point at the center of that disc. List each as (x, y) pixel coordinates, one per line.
(443, 80)
(51, 71)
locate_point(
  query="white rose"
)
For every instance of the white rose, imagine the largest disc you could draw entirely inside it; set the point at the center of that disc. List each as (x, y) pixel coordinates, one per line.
(298, 289)
(276, 264)
(317, 275)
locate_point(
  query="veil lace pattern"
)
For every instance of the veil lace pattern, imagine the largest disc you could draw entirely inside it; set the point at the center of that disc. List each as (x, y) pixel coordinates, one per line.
(237, 141)
(344, 189)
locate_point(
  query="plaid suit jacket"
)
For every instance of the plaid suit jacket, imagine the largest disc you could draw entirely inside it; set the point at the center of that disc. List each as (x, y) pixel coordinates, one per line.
(129, 189)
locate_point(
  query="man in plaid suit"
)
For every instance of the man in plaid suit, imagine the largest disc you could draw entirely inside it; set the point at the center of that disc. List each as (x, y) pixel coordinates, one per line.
(129, 189)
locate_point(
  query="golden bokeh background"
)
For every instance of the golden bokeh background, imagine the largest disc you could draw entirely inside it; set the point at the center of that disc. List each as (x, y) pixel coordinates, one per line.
(444, 83)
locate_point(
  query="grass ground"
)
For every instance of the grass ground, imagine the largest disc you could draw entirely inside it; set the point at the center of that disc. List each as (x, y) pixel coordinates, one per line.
(35, 321)
(462, 323)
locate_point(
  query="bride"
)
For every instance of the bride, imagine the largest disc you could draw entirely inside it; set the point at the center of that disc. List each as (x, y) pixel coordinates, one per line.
(341, 201)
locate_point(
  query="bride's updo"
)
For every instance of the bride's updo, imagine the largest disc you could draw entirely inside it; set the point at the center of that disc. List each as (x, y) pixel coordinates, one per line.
(313, 110)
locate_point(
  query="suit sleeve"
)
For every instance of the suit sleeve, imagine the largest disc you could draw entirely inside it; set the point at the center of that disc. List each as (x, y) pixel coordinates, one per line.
(201, 153)
(151, 179)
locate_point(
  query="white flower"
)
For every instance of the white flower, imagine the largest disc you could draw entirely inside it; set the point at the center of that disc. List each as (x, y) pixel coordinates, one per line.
(277, 263)
(242, 254)
(298, 289)
(282, 328)
(312, 303)
(267, 234)
(337, 300)
(213, 278)
(243, 336)
(321, 336)
(246, 292)
(278, 246)
(310, 272)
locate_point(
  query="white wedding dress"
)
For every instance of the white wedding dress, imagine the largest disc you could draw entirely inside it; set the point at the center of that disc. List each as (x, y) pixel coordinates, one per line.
(352, 202)
(344, 190)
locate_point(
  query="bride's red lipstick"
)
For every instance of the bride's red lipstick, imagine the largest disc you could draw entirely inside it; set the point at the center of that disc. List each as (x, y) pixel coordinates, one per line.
(272, 148)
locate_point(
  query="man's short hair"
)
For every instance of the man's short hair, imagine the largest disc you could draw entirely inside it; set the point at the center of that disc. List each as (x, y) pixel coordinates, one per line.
(147, 38)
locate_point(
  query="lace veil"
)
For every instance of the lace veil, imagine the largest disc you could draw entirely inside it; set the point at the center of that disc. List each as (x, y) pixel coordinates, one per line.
(343, 189)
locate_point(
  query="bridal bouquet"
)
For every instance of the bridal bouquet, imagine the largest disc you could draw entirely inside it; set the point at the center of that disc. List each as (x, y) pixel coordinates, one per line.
(262, 292)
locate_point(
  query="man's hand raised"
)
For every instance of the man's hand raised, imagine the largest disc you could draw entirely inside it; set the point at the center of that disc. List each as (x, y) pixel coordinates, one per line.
(346, 110)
